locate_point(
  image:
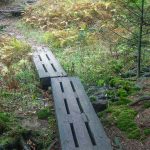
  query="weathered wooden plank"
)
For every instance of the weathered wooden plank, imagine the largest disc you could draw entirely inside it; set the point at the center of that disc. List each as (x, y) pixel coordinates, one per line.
(70, 107)
(61, 115)
(55, 62)
(43, 74)
(47, 66)
(53, 66)
(102, 140)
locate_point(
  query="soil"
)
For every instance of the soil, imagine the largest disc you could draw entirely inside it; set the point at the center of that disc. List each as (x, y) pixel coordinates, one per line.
(126, 144)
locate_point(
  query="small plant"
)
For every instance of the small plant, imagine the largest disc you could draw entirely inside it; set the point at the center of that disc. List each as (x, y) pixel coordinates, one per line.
(44, 113)
(147, 132)
(146, 104)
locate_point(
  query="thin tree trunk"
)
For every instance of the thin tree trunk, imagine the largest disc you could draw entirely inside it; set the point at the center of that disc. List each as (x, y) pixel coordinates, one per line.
(140, 41)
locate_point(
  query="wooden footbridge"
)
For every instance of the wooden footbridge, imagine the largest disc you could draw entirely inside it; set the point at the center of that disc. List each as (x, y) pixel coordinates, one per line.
(78, 125)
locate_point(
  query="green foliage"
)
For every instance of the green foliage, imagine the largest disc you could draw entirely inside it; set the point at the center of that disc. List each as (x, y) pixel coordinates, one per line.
(12, 50)
(5, 140)
(44, 113)
(92, 98)
(121, 90)
(123, 101)
(4, 121)
(123, 117)
(147, 132)
(146, 104)
(116, 66)
(101, 82)
(122, 93)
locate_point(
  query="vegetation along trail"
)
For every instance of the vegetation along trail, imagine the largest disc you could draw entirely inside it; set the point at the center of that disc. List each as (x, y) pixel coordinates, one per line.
(105, 43)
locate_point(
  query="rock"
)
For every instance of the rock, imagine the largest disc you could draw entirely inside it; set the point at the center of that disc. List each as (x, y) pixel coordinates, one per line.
(102, 96)
(98, 97)
(30, 1)
(146, 75)
(100, 105)
(145, 97)
(1, 147)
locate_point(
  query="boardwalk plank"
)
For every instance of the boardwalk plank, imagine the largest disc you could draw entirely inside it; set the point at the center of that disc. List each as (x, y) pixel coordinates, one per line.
(73, 107)
(47, 66)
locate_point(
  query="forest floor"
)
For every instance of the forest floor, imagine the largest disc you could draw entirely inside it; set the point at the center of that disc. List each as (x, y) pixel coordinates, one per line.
(33, 103)
(33, 109)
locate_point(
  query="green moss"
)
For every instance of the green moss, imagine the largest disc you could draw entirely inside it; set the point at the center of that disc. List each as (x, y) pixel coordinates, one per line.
(44, 113)
(92, 98)
(126, 85)
(123, 101)
(5, 140)
(101, 82)
(146, 104)
(122, 93)
(147, 132)
(5, 117)
(135, 134)
(4, 122)
(123, 117)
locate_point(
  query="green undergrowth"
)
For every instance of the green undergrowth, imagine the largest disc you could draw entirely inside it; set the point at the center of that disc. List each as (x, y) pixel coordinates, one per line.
(119, 112)
(77, 38)
(20, 95)
(146, 105)
(10, 129)
(120, 90)
(31, 33)
(78, 59)
(44, 113)
(123, 118)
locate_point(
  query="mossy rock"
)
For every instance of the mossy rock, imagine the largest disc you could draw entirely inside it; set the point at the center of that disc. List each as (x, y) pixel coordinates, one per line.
(93, 98)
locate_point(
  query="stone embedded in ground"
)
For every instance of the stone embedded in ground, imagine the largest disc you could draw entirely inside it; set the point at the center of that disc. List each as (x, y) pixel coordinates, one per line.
(31, 1)
(98, 97)
(100, 105)
(144, 97)
(146, 75)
